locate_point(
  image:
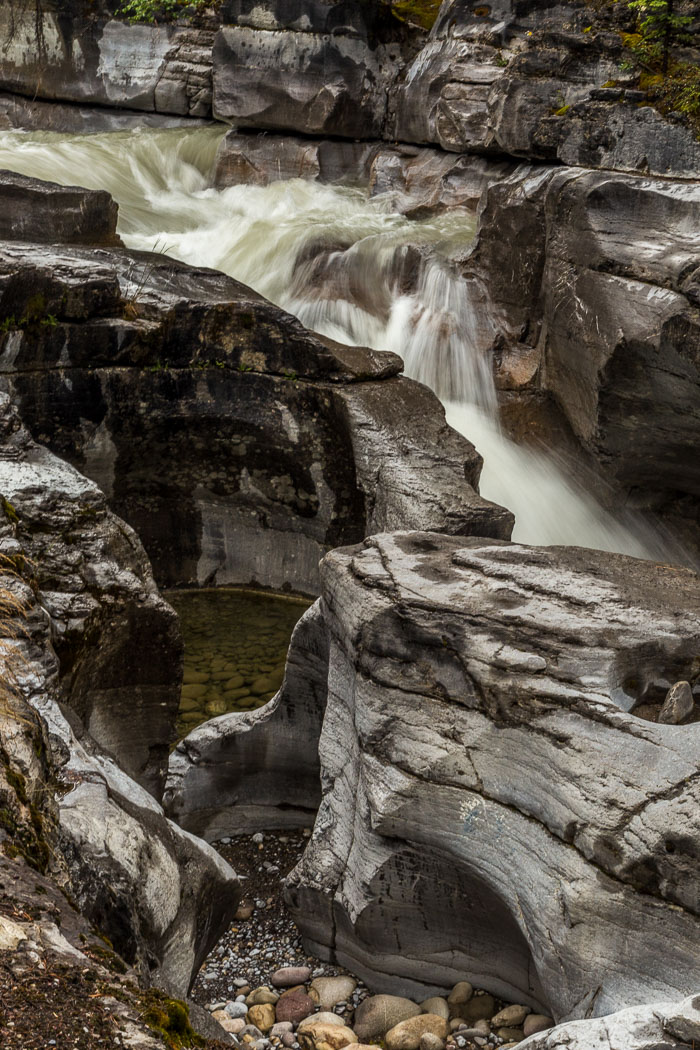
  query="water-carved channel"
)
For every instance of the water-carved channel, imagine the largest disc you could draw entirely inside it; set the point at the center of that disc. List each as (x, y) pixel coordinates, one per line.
(236, 643)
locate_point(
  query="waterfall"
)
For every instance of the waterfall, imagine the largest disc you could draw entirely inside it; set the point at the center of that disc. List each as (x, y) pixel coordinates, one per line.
(348, 266)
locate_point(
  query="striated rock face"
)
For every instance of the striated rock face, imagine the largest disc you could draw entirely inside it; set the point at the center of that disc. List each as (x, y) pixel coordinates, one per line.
(492, 806)
(584, 313)
(46, 213)
(239, 445)
(117, 641)
(420, 181)
(160, 895)
(318, 68)
(76, 52)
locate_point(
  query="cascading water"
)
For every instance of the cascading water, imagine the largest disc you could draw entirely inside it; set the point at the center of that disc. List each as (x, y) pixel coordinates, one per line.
(348, 266)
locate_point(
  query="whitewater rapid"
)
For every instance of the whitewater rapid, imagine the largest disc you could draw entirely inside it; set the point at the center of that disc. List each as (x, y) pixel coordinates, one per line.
(341, 262)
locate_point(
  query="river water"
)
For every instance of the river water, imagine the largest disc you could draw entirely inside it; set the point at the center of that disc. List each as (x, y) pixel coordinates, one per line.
(339, 260)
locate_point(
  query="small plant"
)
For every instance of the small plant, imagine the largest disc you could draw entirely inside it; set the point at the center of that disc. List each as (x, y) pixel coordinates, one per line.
(159, 10)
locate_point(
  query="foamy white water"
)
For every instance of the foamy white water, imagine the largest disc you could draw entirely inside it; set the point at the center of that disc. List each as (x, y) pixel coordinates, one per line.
(349, 267)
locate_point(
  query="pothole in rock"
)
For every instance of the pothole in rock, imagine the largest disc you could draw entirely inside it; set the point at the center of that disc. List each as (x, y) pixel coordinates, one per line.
(241, 986)
(236, 645)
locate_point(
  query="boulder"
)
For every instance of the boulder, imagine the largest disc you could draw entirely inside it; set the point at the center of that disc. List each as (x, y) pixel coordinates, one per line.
(290, 976)
(262, 1016)
(436, 1005)
(45, 212)
(480, 741)
(294, 1006)
(378, 1013)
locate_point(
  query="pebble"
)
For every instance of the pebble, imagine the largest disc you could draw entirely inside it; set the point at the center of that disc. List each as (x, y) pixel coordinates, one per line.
(510, 1016)
(320, 1018)
(290, 976)
(236, 1009)
(378, 1013)
(534, 1023)
(436, 1005)
(326, 1037)
(331, 991)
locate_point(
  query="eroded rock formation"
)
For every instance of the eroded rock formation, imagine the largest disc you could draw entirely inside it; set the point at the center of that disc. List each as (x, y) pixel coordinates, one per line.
(239, 445)
(492, 805)
(160, 895)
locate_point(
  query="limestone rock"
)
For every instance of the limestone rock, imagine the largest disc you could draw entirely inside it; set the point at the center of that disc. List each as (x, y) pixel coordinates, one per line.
(644, 1027)
(144, 67)
(378, 1013)
(326, 462)
(425, 753)
(97, 588)
(407, 1035)
(311, 74)
(549, 237)
(45, 212)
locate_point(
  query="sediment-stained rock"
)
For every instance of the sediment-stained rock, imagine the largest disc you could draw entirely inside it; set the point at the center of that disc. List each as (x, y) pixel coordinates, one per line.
(492, 806)
(421, 181)
(319, 69)
(77, 52)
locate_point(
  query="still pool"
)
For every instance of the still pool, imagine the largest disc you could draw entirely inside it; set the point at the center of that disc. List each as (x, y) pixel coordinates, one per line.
(236, 644)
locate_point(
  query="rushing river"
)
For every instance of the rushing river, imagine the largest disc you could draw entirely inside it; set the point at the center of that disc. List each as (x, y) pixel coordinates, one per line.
(338, 260)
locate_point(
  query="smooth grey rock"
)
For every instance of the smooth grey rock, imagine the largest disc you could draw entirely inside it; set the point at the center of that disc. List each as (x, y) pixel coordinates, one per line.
(678, 704)
(480, 763)
(654, 1026)
(290, 976)
(88, 57)
(316, 83)
(435, 1005)
(329, 991)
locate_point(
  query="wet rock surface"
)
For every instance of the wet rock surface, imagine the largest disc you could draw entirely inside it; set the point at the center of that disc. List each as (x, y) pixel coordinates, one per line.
(585, 315)
(461, 675)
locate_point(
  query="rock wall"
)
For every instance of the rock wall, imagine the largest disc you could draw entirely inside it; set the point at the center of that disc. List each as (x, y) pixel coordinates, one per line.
(583, 313)
(161, 896)
(493, 804)
(79, 53)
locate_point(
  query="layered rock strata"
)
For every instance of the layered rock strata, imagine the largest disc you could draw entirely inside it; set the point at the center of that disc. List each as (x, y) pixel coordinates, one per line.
(593, 329)
(239, 445)
(492, 805)
(161, 896)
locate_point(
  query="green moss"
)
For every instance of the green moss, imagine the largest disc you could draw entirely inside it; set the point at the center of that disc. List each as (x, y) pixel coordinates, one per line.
(562, 111)
(18, 784)
(171, 1020)
(10, 512)
(421, 12)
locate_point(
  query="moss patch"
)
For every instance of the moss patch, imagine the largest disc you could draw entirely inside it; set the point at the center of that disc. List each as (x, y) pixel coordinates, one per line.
(170, 1019)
